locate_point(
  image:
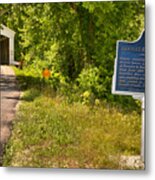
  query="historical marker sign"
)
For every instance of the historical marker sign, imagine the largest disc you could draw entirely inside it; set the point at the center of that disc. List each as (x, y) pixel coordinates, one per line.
(129, 73)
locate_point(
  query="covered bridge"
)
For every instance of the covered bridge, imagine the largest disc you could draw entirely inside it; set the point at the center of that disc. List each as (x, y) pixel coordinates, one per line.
(6, 45)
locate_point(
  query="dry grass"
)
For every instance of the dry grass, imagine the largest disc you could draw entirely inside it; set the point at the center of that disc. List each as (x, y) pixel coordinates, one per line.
(49, 132)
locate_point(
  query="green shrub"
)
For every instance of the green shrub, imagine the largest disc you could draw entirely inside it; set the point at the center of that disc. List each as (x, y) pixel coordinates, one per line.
(89, 80)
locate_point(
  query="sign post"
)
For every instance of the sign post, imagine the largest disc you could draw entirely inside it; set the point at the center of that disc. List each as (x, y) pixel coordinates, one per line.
(142, 99)
(129, 75)
(143, 131)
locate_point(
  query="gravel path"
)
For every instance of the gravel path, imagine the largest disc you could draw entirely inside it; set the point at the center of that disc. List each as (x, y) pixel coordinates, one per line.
(9, 96)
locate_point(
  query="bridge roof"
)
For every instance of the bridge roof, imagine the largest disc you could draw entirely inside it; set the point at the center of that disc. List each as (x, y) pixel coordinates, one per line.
(5, 31)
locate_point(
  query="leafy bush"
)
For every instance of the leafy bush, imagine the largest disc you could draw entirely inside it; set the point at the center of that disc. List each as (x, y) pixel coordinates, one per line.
(89, 80)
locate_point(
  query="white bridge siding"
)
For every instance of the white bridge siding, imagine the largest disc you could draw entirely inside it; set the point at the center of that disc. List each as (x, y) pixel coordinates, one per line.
(5, 31)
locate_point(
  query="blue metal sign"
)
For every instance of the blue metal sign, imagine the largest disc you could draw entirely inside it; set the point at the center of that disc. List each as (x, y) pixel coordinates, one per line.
(129, 76)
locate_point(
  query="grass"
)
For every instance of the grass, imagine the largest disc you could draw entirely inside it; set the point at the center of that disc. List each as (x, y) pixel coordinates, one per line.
(50, 132)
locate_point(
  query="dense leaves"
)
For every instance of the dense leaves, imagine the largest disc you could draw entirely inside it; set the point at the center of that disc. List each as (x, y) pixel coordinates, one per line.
(75, 40)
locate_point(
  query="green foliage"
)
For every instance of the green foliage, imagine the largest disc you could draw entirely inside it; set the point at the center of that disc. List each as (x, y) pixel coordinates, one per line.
(71, 119)
(89, 79)
(82, 32)
(48, 132)
(29, 78)
(88, 87)
(30, 95)
(76, 40)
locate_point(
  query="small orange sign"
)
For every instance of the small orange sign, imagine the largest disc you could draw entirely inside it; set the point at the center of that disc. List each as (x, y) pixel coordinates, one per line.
(46, 73)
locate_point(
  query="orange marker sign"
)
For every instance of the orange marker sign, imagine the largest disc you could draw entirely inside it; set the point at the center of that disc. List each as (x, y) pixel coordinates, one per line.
(46, 73)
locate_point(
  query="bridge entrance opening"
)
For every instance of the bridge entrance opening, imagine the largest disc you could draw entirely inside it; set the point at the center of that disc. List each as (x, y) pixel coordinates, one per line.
(4, 50)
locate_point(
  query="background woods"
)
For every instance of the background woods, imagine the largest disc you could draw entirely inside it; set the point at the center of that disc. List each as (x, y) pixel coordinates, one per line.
(75, 40)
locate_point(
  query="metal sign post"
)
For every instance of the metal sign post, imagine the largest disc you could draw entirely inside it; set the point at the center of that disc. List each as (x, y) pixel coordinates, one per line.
(143, 131)
(142, 99)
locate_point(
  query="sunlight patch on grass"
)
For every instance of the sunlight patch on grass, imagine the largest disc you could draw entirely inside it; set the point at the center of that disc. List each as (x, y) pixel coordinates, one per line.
(49, 132)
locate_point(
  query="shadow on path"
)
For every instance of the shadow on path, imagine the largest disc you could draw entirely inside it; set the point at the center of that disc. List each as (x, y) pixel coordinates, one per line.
(9, 97)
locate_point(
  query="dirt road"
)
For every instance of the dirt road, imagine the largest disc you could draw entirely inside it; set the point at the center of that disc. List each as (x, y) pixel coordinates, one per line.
(9, 96)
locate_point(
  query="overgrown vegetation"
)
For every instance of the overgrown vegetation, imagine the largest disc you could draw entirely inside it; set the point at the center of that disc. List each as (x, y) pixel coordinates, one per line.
(71, 119)
(49, 132)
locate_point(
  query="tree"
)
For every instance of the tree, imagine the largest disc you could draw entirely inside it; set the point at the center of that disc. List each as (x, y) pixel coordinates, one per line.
(73, 37)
